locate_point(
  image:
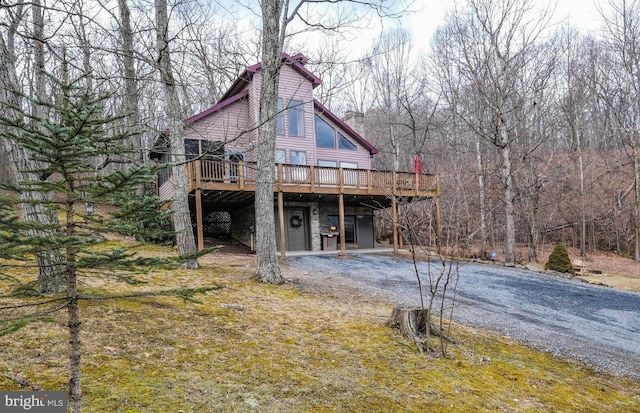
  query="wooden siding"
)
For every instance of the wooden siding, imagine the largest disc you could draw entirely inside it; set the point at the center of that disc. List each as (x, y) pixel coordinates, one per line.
(231, 125)
(293, 85)
(165, 192)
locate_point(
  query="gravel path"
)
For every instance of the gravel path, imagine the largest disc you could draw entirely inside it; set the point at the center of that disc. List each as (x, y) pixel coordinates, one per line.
(595, 325)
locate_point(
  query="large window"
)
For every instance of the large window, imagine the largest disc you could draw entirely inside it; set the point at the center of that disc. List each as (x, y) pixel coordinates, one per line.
(325, 134)
(327, 137)
(191, 148)
(295, 118)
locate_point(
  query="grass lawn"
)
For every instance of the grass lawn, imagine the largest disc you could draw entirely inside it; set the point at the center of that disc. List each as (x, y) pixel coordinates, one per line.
(254, 347)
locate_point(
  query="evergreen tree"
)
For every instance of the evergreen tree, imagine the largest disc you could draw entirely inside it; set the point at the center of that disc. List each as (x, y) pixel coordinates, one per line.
(559, 260)
(73, 149)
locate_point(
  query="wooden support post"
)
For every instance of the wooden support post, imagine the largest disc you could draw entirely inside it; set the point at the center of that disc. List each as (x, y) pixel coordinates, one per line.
(241, 175)
(283, 243)
(343, 243)
(199, 225)
(394, 219)
(197, 165)
(394, 210)
(436, 219)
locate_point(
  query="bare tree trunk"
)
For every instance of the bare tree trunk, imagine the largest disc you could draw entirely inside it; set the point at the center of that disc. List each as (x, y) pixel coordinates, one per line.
(73, 314)
(50, 277)
(482, 194)
(583, 203)
(181, 218)
(636, 201)
(268, 269)
(131, 97)
(507, 181)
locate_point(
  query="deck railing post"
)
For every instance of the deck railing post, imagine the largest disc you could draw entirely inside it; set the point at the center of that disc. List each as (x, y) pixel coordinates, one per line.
(312, 178)
(279, 178)
(198, 170)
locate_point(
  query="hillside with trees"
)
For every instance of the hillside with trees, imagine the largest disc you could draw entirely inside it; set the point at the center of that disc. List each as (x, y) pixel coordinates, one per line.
(532, 126)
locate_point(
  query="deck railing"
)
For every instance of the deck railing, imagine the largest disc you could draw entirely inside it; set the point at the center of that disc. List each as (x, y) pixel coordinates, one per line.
(219, 174)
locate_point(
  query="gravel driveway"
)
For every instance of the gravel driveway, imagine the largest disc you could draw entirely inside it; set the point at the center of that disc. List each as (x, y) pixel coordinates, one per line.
(595, 325)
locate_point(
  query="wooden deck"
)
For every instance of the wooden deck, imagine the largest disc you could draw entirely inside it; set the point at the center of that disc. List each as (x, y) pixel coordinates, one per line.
(216, 175)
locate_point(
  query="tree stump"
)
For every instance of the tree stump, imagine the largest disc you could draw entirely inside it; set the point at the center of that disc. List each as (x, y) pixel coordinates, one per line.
(415, 324)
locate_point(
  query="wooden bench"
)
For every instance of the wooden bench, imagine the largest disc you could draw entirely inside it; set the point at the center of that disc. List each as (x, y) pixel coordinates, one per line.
(579, 266)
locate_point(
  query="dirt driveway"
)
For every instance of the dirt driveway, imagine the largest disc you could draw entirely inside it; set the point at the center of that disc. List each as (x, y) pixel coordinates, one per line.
(595, 325)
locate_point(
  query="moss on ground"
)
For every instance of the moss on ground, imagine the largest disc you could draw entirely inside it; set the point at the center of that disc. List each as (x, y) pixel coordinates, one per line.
(288, 350)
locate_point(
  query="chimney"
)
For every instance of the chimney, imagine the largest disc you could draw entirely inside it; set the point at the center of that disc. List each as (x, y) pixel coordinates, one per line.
(300, 58)
(355, 120)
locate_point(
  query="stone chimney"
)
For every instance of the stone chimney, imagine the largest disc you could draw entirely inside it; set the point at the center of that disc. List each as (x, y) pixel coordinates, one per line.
(355, 120)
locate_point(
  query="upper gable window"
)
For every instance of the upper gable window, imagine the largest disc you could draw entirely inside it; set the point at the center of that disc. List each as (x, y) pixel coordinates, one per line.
(326, 136)
(344, 143)
(295, 118)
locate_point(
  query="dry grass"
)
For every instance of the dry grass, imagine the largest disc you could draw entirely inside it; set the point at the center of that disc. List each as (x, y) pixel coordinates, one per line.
(289, 350)
(616, 271)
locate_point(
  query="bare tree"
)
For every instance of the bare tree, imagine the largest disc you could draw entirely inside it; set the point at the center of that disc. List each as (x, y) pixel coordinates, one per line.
(277, 17)
(131, 97)
(494, 43)
(623, 41)
(273, 30)
(182, 217)
(34, 205)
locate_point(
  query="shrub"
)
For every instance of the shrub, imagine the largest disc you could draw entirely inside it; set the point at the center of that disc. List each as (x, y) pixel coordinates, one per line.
(559, 260)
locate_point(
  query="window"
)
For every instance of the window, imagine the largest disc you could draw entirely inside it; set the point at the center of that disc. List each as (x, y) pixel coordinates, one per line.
(344, 143)
(279, 119)
(327, 163)
(298, 157)
(164, 175)
(280, 156)
(212, 149)
(295, 118)
(191, 148)
(324, 134)
(351, 165)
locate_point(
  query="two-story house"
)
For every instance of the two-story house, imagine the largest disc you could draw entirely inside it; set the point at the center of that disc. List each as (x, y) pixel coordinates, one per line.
(325, 190)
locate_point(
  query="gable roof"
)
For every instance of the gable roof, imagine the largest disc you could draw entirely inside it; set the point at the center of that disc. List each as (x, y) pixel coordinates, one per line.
(297, 62)
(237, 92)
(352, 133)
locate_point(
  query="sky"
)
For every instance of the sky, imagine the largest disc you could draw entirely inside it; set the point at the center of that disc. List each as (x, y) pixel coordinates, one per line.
(429, 14)
(580, 13)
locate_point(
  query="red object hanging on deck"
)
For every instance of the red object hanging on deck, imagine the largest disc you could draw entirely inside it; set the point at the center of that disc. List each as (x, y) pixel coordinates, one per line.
(417, 164)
